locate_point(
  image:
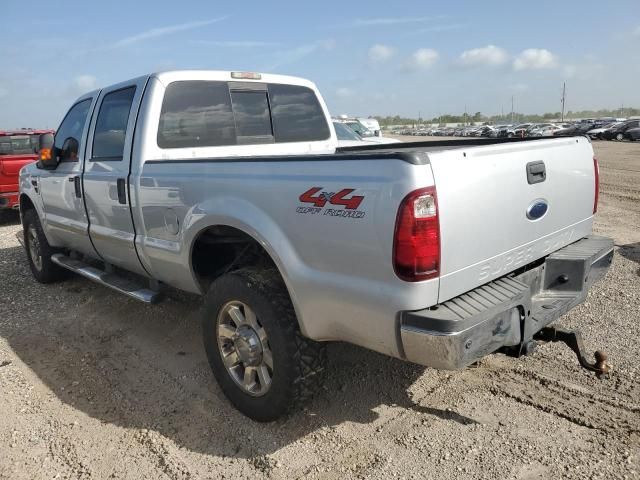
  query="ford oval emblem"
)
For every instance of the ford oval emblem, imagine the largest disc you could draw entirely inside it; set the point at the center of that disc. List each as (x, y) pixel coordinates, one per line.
(537, 209)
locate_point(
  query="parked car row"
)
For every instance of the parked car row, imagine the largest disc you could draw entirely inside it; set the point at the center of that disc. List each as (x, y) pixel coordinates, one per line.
(602, 129)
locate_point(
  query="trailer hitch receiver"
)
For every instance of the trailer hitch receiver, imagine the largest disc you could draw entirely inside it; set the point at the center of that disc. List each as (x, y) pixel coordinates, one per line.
(573, 340)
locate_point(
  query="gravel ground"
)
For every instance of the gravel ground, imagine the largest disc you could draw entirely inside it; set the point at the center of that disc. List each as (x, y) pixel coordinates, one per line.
(95, 385)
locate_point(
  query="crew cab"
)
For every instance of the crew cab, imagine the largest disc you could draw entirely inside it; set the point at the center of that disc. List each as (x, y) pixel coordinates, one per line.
(231, 185)
(17, 148)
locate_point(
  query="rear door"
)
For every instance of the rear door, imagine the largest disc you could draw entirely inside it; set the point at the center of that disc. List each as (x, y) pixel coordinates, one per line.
(504, 206)
(106, 174)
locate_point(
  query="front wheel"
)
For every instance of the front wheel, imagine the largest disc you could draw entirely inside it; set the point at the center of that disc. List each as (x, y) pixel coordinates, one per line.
(39, 251)
(620, 137)
(261, 361)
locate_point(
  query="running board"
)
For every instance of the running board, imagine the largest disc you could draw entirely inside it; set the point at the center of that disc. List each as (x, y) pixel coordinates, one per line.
(111, 280)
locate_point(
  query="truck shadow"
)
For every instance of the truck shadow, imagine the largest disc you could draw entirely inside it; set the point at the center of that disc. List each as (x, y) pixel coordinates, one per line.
(9, 217)
(144, 367)
(631, 251)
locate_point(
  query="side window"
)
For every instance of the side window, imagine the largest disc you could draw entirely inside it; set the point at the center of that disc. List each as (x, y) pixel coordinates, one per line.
(297, 115)
(111, 125)
(253, 119)
(70, 131)
(196, 114)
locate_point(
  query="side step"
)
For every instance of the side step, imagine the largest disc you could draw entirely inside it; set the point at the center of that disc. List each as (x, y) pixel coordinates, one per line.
(111, 280)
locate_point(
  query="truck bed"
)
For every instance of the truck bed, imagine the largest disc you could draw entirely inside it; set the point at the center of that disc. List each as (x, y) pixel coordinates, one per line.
(433, 146)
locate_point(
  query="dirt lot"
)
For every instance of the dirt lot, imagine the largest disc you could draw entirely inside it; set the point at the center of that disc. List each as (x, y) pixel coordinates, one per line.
(94, 385)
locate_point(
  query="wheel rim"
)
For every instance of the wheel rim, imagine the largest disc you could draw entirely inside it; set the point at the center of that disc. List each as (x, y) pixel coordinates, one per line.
(34, 247)
(620, 136)
(244, 348)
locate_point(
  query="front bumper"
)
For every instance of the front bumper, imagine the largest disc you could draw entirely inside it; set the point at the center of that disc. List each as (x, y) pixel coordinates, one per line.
(506, 312)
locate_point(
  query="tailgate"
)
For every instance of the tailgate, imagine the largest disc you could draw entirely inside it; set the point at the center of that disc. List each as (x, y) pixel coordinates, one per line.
(486, 199)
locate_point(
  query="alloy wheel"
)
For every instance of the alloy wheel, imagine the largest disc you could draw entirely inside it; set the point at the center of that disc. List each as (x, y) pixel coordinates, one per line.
(244, 348)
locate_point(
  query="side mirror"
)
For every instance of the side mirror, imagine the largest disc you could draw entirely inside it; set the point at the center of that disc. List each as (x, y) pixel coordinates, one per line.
(46, 152)
(70, 149)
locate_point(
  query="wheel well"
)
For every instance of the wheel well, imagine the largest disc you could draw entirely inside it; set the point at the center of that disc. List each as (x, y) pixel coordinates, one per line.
(220, 249)
(25, 205)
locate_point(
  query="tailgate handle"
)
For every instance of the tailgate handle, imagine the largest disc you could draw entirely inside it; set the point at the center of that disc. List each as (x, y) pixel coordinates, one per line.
(536, 172)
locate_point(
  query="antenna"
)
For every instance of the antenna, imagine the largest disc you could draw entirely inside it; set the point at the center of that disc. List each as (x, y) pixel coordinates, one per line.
(512, 109)
(563, 99)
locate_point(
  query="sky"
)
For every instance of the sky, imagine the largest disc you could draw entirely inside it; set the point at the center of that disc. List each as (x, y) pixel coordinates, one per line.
(407, 58)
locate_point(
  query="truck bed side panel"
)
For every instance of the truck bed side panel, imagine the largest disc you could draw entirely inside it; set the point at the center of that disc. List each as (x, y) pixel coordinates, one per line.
(338, 268)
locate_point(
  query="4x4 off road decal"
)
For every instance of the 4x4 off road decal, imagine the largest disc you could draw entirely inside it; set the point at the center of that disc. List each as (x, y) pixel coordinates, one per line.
(343, 198)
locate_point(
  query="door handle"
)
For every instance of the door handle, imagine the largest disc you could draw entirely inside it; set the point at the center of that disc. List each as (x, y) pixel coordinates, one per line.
(76, 185)
(122, 192)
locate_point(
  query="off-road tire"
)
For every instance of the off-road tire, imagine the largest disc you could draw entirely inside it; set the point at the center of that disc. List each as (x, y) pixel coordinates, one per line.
(49, 271)
(298, 363)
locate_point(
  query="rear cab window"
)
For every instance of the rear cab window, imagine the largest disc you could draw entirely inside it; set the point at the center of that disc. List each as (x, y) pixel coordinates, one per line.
(18, 144)
(197, 113)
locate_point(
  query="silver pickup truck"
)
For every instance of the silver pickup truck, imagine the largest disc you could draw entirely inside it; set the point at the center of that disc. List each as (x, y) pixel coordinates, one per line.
(230, 185)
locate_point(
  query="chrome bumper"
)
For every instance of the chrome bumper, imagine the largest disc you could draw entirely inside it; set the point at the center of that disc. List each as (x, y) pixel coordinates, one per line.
(506, 312)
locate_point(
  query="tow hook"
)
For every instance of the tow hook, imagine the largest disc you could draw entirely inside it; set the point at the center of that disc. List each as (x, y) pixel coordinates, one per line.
(573, 340)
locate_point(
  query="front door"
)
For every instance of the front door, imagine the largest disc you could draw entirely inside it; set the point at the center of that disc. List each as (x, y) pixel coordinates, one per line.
(65, 218)
(106, 175)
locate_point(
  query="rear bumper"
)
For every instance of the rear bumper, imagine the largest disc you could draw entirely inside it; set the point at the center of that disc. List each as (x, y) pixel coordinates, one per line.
(507, 311)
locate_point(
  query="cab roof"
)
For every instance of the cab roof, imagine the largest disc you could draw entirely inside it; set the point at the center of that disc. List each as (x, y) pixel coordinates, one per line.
(226, 75)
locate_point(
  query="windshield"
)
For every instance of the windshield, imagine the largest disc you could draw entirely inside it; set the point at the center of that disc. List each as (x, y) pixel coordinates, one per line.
(360, 129)
(345, 133)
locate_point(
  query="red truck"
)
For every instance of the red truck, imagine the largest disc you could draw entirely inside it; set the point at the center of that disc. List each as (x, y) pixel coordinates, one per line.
(17, 148)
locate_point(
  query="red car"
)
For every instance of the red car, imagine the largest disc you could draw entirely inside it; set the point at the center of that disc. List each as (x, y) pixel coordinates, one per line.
(17, 148)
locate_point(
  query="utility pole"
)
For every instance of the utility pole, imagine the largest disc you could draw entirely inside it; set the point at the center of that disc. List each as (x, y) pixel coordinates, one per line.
(511, 109)
(563, 98)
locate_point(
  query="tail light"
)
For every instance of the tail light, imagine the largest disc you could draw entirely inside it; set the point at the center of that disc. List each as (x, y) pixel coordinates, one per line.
(596, 172)
(416, 244)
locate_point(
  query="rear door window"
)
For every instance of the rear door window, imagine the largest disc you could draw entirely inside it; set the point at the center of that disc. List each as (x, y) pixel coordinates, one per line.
(111, 125)
(196, 114)
(297, 114)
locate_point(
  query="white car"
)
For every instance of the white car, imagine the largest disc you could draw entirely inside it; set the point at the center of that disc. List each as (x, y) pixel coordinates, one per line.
(372, 124)
(347, 137)
(546, 131)
(364, 133)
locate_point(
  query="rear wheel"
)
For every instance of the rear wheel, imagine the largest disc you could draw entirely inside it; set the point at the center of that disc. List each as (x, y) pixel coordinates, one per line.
(620, 137)
(261, 361)
(39, 251)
